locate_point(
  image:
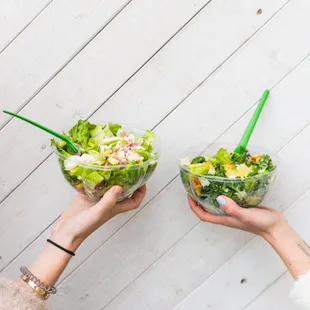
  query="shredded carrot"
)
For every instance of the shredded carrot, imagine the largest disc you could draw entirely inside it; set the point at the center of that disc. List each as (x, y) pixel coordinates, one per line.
(197, 186)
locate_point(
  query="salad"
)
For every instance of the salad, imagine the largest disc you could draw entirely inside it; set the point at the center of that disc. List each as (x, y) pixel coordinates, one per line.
(109, 155)
(243, 177)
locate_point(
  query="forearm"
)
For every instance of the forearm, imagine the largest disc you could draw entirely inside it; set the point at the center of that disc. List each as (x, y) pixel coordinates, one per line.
(294, 252)
(52, 261)
(50, 264)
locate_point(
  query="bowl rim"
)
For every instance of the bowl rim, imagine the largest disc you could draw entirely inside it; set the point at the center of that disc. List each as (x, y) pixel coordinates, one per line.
(226, 179)
(117, 167)
(274, 157)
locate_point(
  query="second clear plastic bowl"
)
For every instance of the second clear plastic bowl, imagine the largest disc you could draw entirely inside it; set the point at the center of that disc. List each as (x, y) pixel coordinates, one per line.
(250, 191)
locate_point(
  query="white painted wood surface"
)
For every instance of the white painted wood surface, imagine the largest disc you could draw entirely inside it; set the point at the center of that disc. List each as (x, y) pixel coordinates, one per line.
(16, 16)
(191, 69)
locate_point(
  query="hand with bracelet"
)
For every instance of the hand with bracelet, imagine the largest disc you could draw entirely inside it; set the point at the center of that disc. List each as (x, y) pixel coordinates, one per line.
(271, 225)
(78, 222)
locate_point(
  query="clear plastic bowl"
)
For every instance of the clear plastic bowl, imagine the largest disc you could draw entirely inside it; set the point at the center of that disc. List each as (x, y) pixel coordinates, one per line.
(249, 192)
(130, 177)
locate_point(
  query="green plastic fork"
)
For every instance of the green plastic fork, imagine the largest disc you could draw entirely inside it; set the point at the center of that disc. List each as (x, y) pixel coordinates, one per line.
(74, 148)
(249, 130)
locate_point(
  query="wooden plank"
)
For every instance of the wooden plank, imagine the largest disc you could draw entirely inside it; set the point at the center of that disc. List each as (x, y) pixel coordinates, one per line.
(113, 226)
(206, 247)
(90, 79)
(172, 277)
(46, 205)
(48, 44)
(258, 263)
(15, 16)
(276, 296)
(192, 56)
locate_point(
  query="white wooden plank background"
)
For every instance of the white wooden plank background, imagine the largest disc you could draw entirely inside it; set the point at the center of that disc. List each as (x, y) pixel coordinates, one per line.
(15, 16)
(48, 44)
(191, 69)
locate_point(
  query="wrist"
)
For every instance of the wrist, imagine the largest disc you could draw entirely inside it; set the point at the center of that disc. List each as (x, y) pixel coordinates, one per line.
(67, 241)
(280, 233)
(49, 264)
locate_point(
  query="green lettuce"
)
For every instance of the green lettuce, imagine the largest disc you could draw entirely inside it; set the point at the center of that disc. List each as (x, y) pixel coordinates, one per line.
(199, 169)
(223, 156)
(114, 128)
(241, 158)
(148, 140)
(93, 179)
(198, 160)
(80, 133)
(97, 132)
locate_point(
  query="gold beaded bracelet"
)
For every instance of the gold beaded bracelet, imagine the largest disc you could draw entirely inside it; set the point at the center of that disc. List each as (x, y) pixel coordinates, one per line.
(43, 290)
(41, 293)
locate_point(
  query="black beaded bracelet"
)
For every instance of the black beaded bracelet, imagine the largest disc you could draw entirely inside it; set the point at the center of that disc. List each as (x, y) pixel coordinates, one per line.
(47, 288)
(60, 247)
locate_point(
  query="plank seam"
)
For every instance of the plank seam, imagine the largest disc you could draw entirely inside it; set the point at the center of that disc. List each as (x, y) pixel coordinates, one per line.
(263, 291)
(26, 26)
(296, 136)
(141, 274)
(24, 179)
(92, 37)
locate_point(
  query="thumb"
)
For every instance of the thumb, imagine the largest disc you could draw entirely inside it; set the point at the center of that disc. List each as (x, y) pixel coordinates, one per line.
(230, 207)
(110, 198)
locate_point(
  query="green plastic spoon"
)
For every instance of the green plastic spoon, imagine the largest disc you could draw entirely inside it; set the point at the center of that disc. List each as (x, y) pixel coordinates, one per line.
(249, 130)
(74, 148)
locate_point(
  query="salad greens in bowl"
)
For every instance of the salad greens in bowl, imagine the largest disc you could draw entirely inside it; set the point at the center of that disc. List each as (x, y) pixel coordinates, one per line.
(110, 154)
(244, 177)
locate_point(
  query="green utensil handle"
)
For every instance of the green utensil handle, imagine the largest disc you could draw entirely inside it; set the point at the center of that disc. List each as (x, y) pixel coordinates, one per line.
(50, 131)
(249, 130)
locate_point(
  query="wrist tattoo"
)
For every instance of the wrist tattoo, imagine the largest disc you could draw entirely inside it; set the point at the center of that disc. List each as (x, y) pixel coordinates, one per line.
(305, 248)
(306, 244)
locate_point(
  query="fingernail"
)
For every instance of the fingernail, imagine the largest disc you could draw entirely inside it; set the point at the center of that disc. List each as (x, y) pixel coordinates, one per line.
(117, 190)
(221, 200)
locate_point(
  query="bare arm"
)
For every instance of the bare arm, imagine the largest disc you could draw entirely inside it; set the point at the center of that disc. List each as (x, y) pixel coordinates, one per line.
(267, 223)
(294, 252)
(79, 221)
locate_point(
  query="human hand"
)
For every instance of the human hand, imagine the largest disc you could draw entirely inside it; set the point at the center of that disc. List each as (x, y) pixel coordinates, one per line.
(262, 221)
(83, 216)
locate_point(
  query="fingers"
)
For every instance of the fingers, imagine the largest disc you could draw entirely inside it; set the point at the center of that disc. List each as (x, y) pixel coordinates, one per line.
(267, 209)
(133, 202)
(109, 199)
(230, 207)
(206, 216)
(84, 201)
